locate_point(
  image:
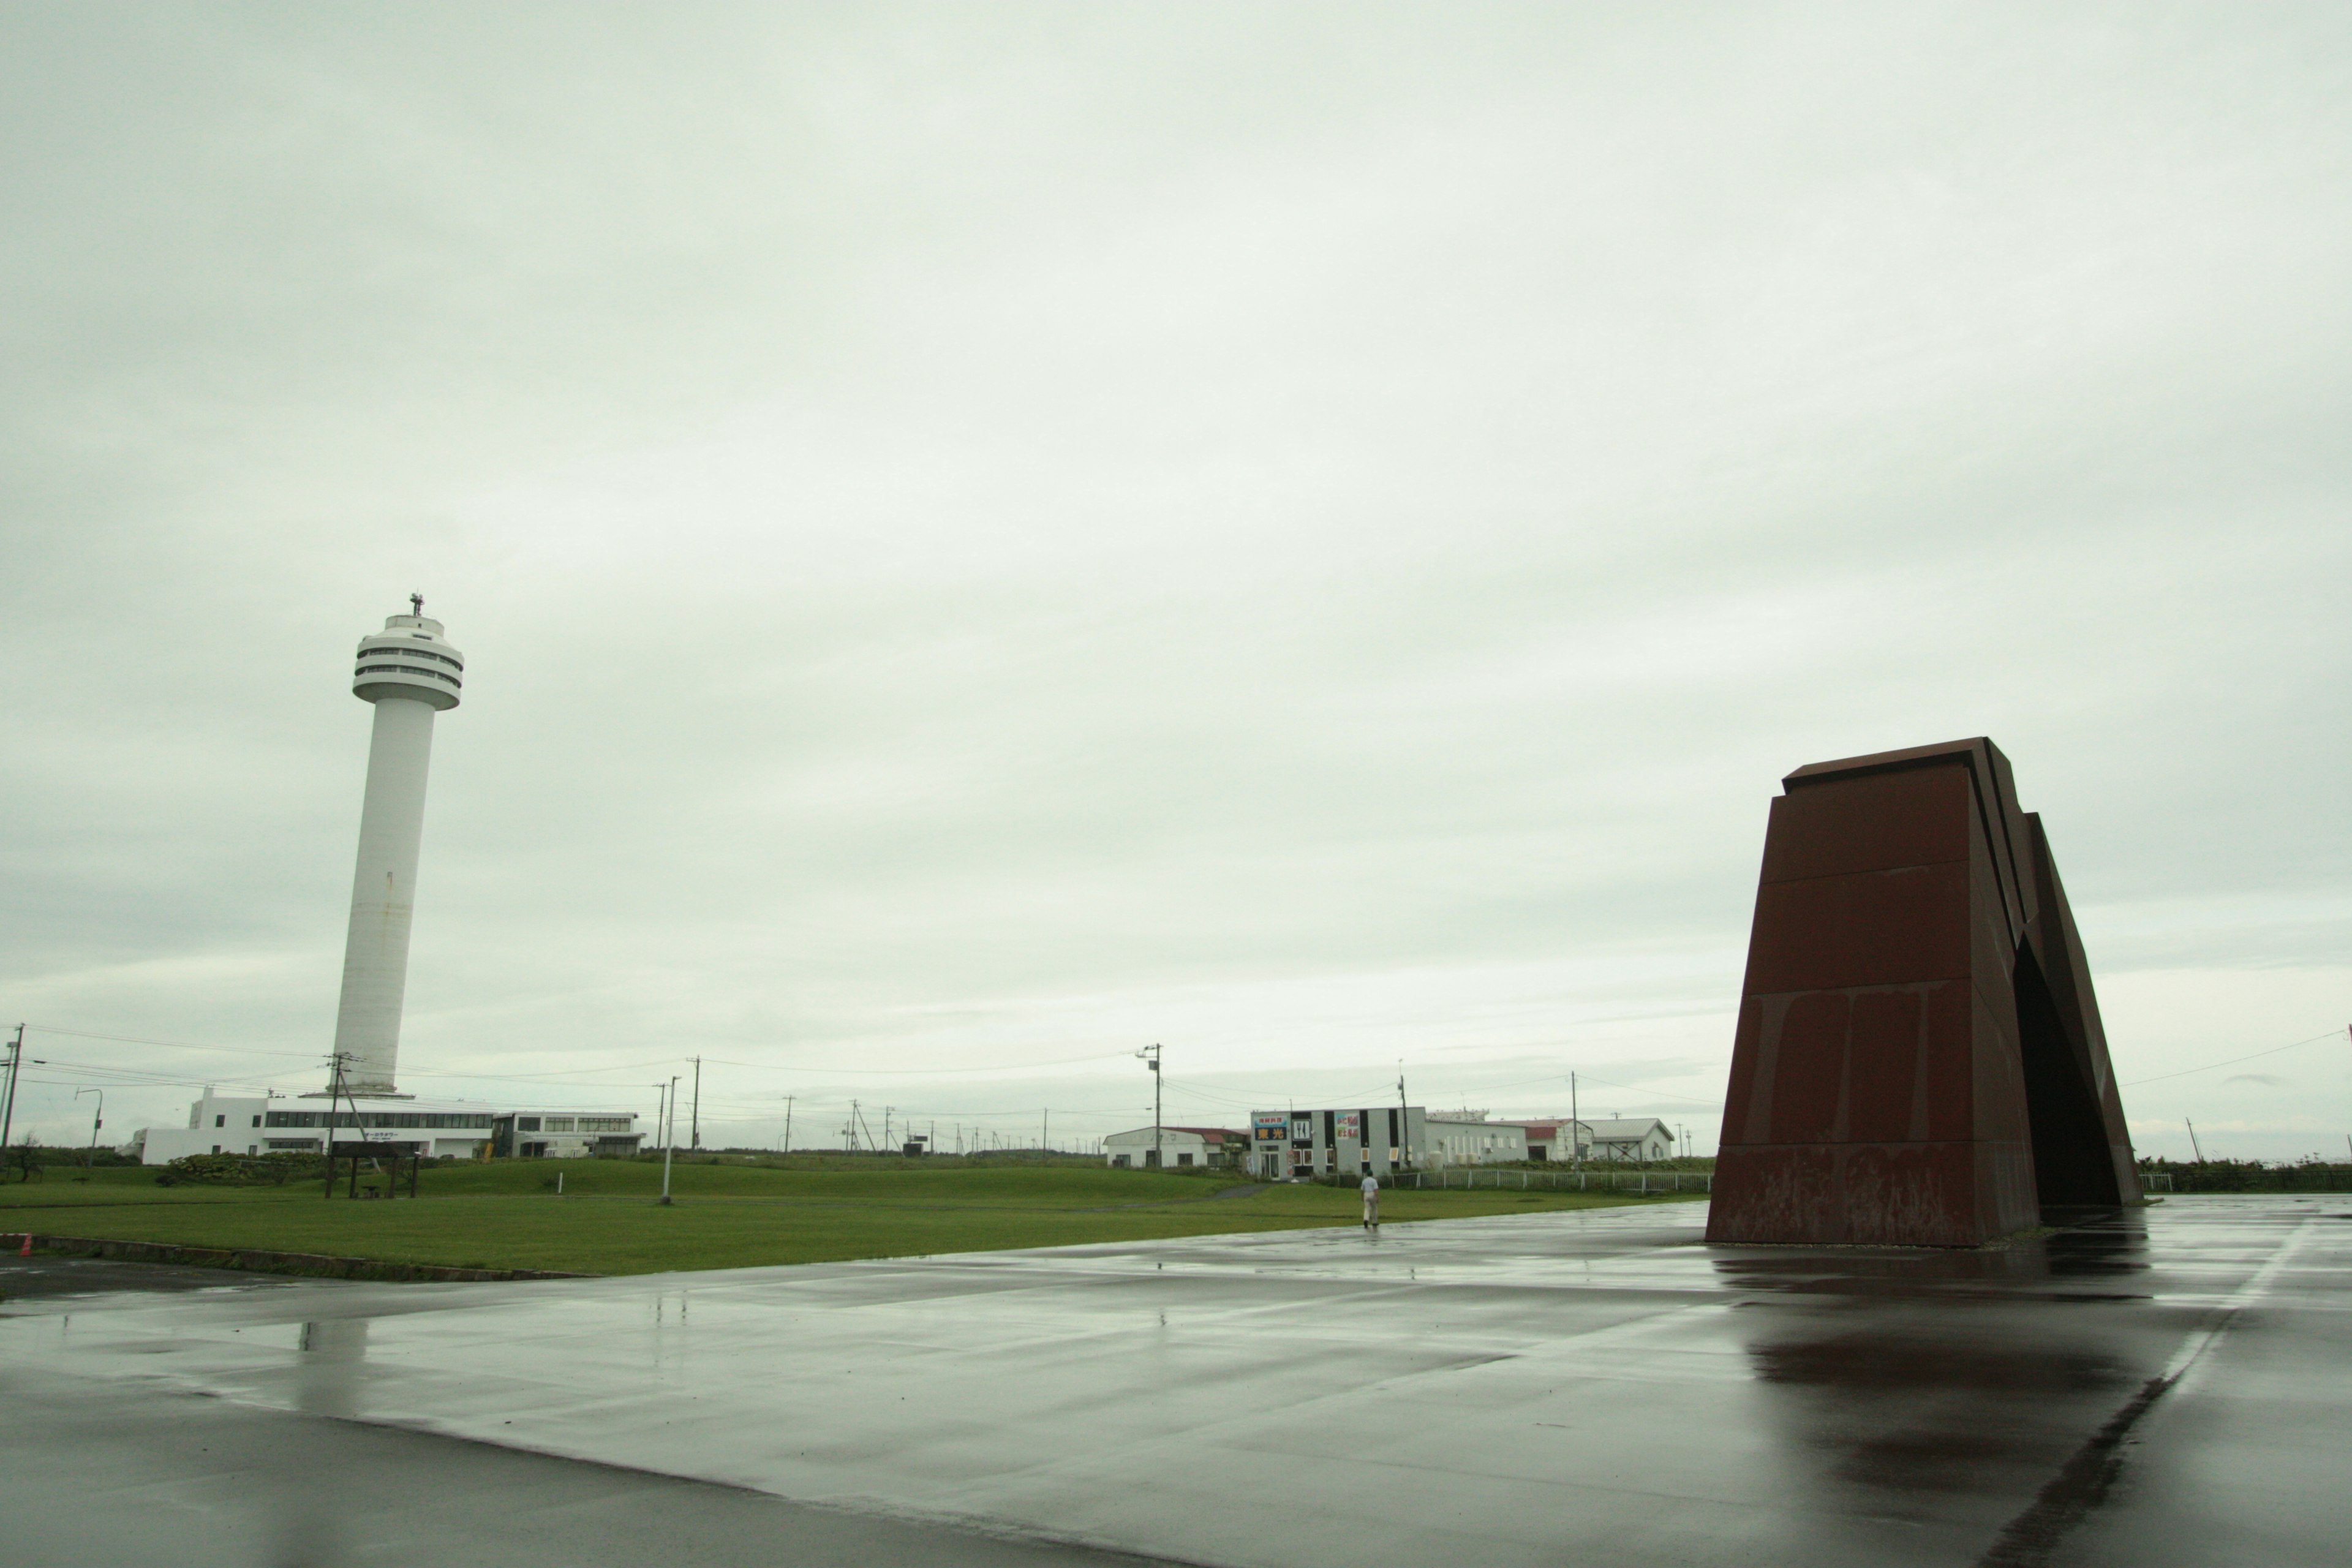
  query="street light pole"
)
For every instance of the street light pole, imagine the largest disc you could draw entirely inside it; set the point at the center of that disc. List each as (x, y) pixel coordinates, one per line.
(97, 1121)
(670, 1135)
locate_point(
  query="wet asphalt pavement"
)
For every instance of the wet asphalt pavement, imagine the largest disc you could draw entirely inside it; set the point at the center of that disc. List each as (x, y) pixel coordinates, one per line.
(2170, 1385)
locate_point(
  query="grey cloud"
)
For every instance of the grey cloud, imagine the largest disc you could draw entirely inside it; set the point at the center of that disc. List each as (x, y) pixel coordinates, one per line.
(979, 532)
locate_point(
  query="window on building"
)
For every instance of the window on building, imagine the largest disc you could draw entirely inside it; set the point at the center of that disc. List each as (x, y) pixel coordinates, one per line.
(219, 1122)
(256, 1122)
(1185, 1158)
(215, 1148)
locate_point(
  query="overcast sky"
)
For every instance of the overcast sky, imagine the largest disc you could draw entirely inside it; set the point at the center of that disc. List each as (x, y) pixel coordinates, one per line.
(987, 537)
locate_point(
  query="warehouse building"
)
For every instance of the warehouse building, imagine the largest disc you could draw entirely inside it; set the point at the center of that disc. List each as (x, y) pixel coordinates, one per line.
(1631, 1137)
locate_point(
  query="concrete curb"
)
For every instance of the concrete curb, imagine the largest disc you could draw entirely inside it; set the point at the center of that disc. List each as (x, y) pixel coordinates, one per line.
(255, 1261)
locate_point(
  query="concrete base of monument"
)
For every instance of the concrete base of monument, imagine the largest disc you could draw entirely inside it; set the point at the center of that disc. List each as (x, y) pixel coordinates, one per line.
(2149, 1386)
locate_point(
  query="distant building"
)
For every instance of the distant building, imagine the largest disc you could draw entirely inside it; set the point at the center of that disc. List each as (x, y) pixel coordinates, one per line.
(1631, 1137)
(252, 1124)
(1175, 1147)
(1468, 1137)
(1287, 1145)
(1551, 1139)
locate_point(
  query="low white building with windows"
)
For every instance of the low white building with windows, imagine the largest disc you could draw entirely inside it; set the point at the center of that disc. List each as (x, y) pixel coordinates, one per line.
(255, 1124)
(1174, 1147)
(1468, 1137)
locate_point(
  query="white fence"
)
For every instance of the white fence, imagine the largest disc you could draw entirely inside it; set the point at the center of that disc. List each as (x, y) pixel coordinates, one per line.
(1564, 1181)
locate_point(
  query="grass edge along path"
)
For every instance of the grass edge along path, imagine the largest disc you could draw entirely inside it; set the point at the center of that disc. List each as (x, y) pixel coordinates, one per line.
(494, 1218)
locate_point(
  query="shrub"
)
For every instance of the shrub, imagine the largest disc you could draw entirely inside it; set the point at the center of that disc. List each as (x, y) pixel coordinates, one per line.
(241, 1170)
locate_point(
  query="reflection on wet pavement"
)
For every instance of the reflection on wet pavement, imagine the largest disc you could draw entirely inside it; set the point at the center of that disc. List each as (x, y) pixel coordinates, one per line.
(1498, 1391)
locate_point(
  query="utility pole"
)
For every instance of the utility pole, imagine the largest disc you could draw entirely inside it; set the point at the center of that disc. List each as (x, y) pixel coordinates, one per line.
(1404, 1124)
(1044, 1118)
(788, 1124)
(694, 1125)
(1575, 1126)
(2192, 1139)
(669, 1140)
(359, 1129)
(1150, 1056)
(334, 1093)
(8, 1107)
(96, 1122)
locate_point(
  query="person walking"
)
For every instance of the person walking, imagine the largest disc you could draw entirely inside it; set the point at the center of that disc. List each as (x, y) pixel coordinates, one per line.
(1371, 1203)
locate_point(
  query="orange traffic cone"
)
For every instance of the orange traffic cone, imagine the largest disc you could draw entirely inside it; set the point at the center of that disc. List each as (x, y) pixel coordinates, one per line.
(26, 1250)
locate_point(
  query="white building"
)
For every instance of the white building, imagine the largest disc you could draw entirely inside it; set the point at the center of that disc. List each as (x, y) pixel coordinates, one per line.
(1468, 1137)
(250, 1124)
(1176, 1147)
(1631, 1137)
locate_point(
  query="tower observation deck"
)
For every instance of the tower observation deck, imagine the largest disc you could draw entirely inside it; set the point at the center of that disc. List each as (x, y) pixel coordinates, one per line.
(410, 674)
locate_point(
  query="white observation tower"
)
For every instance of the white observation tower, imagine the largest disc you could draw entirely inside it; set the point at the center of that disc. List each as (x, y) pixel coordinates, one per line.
(410, 674)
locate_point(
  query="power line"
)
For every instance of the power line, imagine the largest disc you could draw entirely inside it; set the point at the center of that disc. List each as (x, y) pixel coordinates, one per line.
(916, 1072)
(171, 1045)
(1644, 1088)
(2232, 1061)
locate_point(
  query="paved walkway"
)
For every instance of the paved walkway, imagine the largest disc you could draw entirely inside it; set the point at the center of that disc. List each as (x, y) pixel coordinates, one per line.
(1596, 1387)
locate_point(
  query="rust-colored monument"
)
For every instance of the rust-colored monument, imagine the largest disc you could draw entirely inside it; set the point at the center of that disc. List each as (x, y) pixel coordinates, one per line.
(1919, 1060)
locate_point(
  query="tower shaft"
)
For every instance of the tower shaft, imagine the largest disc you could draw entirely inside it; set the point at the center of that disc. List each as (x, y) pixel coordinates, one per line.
(384, 895)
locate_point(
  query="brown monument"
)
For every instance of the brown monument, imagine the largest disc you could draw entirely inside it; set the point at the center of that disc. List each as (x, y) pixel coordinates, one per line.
(1919, 1061)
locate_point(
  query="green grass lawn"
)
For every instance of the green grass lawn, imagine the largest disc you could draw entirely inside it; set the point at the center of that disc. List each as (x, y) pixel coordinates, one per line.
(507, 1216)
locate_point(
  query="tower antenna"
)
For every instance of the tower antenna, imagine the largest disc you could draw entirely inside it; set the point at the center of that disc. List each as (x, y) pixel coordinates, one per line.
(416, 604)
